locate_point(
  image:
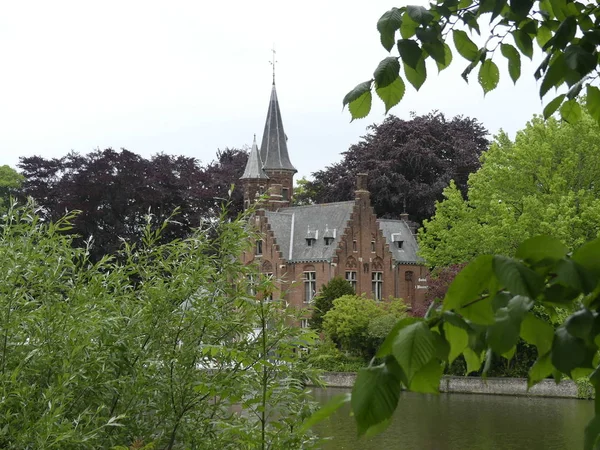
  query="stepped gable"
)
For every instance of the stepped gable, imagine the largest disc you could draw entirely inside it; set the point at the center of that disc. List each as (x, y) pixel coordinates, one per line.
(398, 231)
(294, 226)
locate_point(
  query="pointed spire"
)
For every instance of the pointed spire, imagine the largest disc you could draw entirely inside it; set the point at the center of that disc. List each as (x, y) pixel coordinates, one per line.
(273, 150)
(254, 165)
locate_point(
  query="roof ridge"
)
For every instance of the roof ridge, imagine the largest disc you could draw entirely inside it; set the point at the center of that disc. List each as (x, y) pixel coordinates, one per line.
(319, 204)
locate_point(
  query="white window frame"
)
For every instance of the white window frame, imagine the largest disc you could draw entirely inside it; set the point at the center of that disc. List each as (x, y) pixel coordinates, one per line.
(377, 285)
(351, 277)
(310, 286)
(250, 289)
(304, 323)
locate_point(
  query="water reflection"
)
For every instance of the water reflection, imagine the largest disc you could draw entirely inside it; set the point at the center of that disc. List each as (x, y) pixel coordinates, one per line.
(466, 422)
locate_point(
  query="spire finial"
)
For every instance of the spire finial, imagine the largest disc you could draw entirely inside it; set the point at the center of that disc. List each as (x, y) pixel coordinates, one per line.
(273, 62)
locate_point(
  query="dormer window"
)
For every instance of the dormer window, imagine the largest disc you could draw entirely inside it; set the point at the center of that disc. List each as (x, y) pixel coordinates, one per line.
(397, 240)
(329, 235)
(311, 237)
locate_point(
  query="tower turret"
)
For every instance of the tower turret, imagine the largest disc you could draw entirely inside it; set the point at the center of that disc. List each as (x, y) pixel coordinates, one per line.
(274, 152)
(254, 178)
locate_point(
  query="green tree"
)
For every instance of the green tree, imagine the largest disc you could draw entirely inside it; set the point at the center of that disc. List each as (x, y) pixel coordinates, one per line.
(488, 307)
(10, 183)
(154, 348)
(547, 181)
(303, 194)
(566, 32)
(348, 322)
(323, 302)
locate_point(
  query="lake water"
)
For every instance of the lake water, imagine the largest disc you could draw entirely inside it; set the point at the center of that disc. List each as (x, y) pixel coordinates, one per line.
(466, 422)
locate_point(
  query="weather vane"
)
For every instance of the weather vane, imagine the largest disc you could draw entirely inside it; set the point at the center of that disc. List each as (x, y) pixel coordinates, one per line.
(273, 62)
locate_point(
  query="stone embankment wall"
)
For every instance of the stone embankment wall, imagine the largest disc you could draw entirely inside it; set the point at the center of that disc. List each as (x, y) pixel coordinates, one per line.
(476, 385)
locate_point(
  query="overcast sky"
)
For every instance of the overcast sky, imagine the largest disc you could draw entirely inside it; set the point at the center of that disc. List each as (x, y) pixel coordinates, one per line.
(191, 77)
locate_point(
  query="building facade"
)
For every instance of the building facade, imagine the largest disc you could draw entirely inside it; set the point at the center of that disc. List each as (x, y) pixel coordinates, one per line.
(304, 247)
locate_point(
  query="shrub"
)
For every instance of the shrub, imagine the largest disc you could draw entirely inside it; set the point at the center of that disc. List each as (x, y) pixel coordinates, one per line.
(348, 322)
(155, 347)
(336, 288)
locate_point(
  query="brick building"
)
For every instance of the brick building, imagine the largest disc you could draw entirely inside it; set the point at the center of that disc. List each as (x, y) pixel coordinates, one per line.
(306, 246)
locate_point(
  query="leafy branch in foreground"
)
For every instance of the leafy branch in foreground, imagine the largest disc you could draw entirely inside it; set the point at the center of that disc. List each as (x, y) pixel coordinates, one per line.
(158, 347)
(566, 31)
(488, 307)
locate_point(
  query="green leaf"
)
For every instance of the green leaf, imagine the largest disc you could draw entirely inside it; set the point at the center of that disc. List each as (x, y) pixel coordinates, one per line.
(570, 111)
(592, 102)
(387, 26)
(564, 34)
(569, 352)
(540, 248)
(540, 370)
(414, 347)
(489, 75)
(392, 93)
(537, 332)
(325, 411)
(468, 70)
(521, 8)
(419, 14)
(386, 348)
(375, 396)
(523, 42)
(580, 323)
(517, 278)
(479, 312)
(588, 255)
(473, 360)
(573, 275)
(358, 91)
(470, 283)
(427, 379)
(408, 27)
(436, 50)
(387, 71)
(441, 65)
(464, 45)
(554, 75)
(442, 347)
(416, 76)
(559, 8)
(553, 106)
(580, 60)
(514, 61)
(544, 34)
(592, 434)
(504, 333)
(561, 295)
(410, 52)
(458, 339)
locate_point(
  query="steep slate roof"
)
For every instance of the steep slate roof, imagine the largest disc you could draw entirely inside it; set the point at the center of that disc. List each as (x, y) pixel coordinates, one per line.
(394, 230)
(253, 168)
(273, 149)
(291, 228)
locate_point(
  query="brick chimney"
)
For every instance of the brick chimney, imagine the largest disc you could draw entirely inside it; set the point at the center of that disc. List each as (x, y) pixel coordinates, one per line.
(361, 193)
